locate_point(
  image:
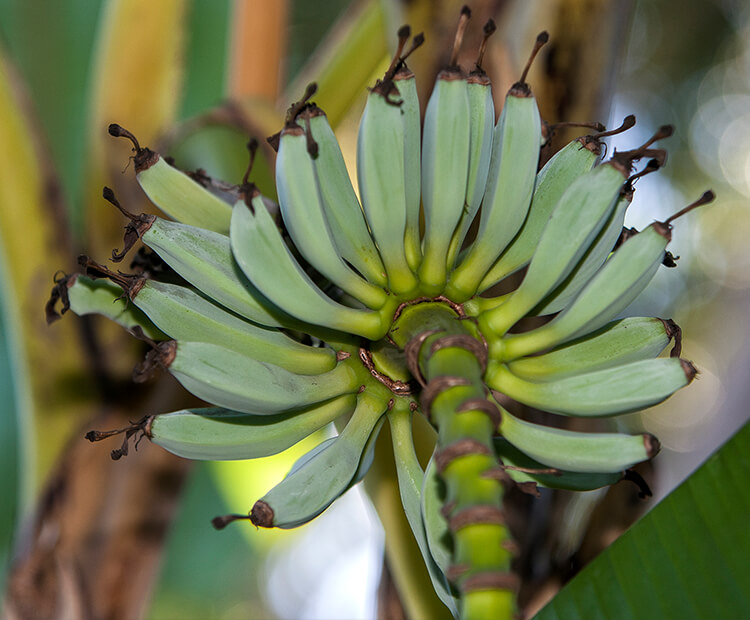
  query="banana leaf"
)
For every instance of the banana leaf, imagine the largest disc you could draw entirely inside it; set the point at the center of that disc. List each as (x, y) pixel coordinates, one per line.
(687, 558)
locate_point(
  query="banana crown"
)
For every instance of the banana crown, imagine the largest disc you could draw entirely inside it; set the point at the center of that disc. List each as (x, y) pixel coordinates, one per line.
(334, 306)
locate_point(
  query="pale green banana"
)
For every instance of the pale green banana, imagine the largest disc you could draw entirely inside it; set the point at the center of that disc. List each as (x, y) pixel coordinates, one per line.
(599, 393)
(382, 185)
(620, 280)
(411, 484)
(482, 118)
(184, 314)
(302, 209)
(265, 259)
(204, 258)
(590, 262)
(87, 296)
(522, 468)
(174, 192)
(617, 343)
(513, 167)
(218, 434)
(568, 164)
(341, 205)
(444, 173)
(578, 217)
(406, 84)
(602, 453)
(235, 381)
(322, 476)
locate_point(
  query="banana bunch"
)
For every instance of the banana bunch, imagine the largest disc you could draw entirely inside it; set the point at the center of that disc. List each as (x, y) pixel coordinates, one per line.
(347, 309)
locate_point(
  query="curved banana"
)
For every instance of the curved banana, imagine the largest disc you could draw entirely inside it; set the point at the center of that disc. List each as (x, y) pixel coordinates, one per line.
(382, 185)
(234, 381)
(217, 434)
(329, 470)
(601, 453)
(619, 342)
(183, 314)
(599, 393)
(590, 262)
(569, 163)
(341, 205)
(87, 296)
(304, 217)
(204, 258)
(173, 191)
(522, 468)
(444, 173)
(265, 259)
(578, 217)
(513, 168)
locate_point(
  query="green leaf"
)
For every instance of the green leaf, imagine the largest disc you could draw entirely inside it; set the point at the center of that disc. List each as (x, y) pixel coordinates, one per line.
(687, 558)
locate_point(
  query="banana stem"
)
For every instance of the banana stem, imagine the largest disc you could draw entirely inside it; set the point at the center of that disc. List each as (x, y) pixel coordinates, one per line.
(448, 356)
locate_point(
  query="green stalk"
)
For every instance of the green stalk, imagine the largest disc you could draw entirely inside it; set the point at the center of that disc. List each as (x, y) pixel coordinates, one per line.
(455, 400)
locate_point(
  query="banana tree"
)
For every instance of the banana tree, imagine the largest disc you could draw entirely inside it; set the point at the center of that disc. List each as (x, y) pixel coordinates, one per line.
(403, 300)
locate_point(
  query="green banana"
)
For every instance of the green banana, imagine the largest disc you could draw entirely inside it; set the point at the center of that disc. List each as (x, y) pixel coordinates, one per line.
(235, 381)
(218, 434)
(482, 117)
(411, 484)
(265, 259)
(578, 217)
(382, 185)
(304, 217)
(513, 167)
(523, 469)
(619, 281)
(599, 393)
(602, 453)
(445, 145)
(87, 296)
(173, 191)
(619, 342)
(184, 314)
(204, 258)
(590, 262)
(406, 84)
(341, 205)
(571, 162)
(324, 474)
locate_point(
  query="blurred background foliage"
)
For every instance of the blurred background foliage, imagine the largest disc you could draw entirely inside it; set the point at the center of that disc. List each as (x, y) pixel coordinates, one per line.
(194, 78)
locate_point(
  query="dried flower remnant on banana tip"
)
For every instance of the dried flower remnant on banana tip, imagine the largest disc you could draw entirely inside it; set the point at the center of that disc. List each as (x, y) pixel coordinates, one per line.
(347, 310)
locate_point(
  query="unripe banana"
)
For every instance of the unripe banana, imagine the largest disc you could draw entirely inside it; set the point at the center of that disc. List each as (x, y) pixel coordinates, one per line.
(620, 280)
(578, 217)
(617, 343)
(513, 167)
(602, 453)
(174, 192)
(522, 468)
(406, 84)
(234, 381)
(324, 474)
(482, 118)
(599, 393)
(265, 259)
(444, 173)
(304, 218)
(204, 258)
(183, 314)
(590, 262)
(341, 205)
(217, 434)
(382, 184)
(87, 296)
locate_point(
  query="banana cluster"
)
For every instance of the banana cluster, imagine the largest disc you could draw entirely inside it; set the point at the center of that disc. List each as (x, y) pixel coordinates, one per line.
(347, 309)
